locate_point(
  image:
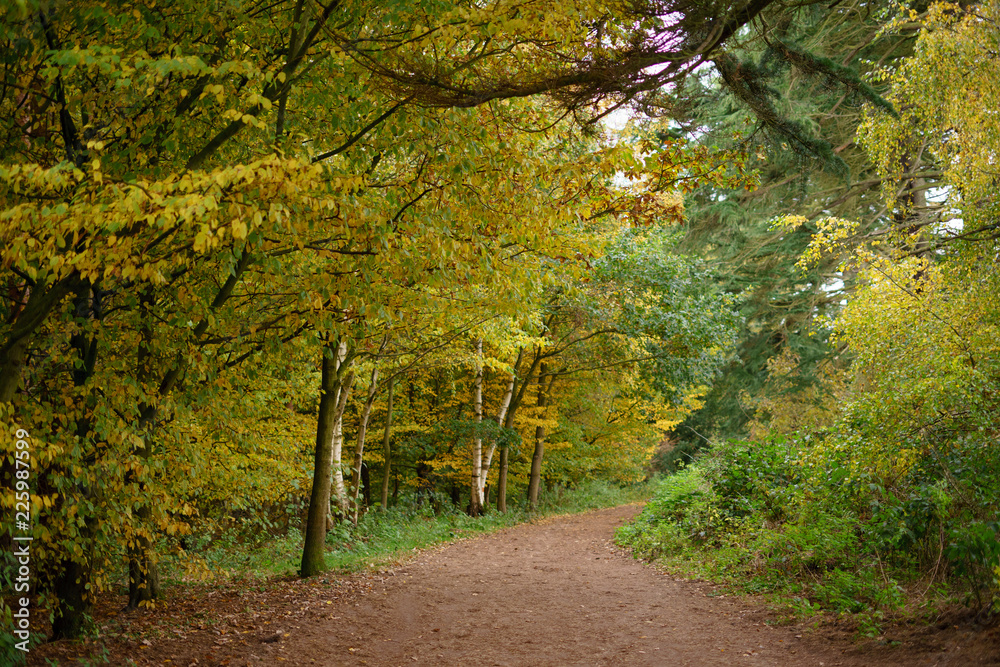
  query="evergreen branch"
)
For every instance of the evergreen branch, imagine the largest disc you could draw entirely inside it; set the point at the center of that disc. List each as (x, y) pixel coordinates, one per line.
(814, 65)
(745, 81)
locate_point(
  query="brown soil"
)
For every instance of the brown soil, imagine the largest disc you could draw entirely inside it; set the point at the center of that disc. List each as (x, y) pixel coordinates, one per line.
(556, 592)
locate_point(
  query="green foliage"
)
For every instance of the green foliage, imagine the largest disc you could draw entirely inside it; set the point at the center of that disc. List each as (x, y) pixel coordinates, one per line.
(745, 513)
(865, 485)
(8, 640)
(684, 325)
(657, 530)
(944, 93)
(783, 516)
(811, 76)
(974, 552)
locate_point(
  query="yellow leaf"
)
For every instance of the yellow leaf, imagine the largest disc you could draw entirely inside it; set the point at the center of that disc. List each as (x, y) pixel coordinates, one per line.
(239, 229)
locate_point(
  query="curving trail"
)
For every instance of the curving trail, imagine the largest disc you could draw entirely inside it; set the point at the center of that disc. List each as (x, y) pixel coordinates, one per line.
(556, 593)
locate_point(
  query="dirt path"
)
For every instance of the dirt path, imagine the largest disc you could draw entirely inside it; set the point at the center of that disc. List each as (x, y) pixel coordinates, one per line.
(558, 593)
(555, 592)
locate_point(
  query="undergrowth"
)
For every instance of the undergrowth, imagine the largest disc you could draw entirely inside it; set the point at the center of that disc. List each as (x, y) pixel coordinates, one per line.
(763, 518)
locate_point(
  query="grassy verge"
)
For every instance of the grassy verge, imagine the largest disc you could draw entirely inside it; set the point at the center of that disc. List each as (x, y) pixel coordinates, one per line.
(380, 538)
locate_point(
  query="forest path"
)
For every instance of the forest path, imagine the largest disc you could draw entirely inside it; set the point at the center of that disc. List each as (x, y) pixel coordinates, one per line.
(553, 592)
(557, 592)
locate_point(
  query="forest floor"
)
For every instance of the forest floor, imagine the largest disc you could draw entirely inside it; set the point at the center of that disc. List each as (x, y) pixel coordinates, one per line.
(554, 592)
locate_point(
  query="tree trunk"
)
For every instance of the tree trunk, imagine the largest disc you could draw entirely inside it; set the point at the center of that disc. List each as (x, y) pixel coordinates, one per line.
(508, 422)
(424, 486)
(505, 405)
(73, 604)
(73, 599)
(345, 384)
(534, 480)
(359, 449)
(502, 481)
(39, 306)
(330, 404)
(143, 575)
(143, 578)
(476, 501)
(386, 444)
(144, 582)
(339, 503)
(366, 485)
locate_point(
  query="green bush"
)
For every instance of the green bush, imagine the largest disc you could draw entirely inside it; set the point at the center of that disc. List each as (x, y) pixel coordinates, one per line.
(974, 552)
(751, 514)
(754, 477)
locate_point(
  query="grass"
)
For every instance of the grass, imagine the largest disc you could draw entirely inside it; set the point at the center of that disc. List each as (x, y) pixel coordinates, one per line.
(380, 538)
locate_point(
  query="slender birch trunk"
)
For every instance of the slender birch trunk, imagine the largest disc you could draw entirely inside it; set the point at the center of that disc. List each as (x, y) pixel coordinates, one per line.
(476, 501)
(386, 444)
(501, 416)
(337, 447)
(359, 449)
(502, 481)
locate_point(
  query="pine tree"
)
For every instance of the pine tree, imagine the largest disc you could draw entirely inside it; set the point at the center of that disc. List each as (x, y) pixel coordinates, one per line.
(791, 94)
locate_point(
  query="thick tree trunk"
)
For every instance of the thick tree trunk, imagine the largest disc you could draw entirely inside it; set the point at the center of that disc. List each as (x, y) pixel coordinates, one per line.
(312, 555)
(11, 363)
(41, 302)
(330, 409)
(544, 391)
(143, 578)
(73, 605)
(73, 599)
(476, 501)
(386, 444)
(143, 575)
(359, 450)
